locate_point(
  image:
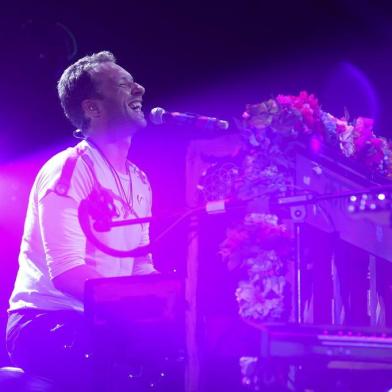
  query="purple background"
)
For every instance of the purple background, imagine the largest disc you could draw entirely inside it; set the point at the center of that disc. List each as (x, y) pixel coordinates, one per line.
(209, 57)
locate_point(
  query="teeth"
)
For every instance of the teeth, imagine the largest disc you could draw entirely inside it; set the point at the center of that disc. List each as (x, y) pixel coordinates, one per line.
(135, 106)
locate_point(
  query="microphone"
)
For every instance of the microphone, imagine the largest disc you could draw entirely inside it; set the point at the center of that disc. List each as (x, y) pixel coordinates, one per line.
(160, 116)
(223, 206)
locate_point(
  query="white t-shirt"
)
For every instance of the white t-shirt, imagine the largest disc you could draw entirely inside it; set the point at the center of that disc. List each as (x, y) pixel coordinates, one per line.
(53, 241)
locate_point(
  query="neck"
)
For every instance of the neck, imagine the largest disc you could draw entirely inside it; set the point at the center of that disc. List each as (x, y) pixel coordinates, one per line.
(116, 152)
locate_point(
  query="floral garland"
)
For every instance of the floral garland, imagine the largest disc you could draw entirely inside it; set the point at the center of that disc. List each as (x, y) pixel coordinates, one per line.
(296, 117)
(261, 246)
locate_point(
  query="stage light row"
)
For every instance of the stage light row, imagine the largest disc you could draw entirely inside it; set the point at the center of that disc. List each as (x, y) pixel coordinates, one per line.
(369, 201)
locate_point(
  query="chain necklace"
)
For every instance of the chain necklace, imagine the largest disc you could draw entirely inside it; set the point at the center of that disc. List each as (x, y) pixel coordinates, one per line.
(123, 194)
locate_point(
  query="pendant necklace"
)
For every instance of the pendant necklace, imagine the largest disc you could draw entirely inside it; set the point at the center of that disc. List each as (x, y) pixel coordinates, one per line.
(126, 199)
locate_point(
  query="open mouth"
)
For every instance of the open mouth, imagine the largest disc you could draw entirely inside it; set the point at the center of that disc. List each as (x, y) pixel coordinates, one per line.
(136, 106)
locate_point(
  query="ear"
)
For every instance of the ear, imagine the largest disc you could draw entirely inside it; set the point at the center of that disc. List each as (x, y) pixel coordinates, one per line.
(91, 108)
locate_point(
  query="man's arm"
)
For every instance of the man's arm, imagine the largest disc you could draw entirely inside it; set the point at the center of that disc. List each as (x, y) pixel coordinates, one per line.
(143, 265)
(64, 244)
(73, 281)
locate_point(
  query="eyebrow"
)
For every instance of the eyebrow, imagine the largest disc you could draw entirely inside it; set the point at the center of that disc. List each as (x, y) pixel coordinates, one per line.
(126, 79)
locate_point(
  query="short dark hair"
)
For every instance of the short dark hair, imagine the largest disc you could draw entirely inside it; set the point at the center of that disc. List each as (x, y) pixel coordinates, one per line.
(76, 84)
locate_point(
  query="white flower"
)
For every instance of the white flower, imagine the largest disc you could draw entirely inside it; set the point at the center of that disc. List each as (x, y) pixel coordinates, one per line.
(259, 217)
(347, 144)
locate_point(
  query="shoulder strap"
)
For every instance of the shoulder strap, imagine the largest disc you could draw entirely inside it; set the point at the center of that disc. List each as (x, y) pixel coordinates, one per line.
(90, 164)
(64, 182)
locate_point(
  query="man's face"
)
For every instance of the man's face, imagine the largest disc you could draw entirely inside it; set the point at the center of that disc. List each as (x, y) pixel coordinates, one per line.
(121, 104)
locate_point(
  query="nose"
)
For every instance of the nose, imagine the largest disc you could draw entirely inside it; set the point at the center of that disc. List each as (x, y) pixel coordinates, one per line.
(138, 90)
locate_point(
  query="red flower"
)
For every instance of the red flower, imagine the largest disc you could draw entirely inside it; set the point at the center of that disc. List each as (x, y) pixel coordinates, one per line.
(275, 237)
(341, 126)
(375, 153)
(235, 238)
(304, 99)
(284, 99)
(364, 131)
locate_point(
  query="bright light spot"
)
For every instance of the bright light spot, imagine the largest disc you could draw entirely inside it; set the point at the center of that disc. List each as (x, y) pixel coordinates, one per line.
(381, 196)
(315, 145)
(353, 198)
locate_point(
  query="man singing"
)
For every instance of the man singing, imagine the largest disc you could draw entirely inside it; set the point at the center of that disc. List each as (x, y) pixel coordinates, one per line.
(45, 331)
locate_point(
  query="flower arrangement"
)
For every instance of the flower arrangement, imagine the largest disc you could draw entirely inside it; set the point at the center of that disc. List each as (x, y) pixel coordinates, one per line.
(298, 117)
(261, 246)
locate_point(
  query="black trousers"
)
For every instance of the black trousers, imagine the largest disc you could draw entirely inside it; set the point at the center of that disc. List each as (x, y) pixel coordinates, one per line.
(51, 344)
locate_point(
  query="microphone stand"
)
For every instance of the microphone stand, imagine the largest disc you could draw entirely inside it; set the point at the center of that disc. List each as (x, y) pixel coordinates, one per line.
(103, 213)
(297, 206)
(105, 224)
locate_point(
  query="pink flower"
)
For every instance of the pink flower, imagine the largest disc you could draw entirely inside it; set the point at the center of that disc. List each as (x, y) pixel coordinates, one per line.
(341, 126)
(284, 99)
(307, 114)
(304, 99)
(275, 237)
(313, 102)
(364, 131)
(235, 238)
(375, 153)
